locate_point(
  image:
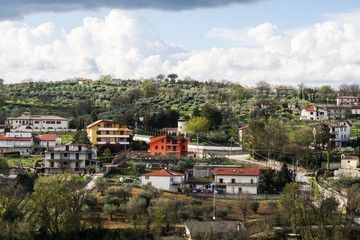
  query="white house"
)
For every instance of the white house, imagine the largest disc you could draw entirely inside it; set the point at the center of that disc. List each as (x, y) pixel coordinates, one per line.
(341, 131)
(23, 142)
(70, 156)
(16, 142)
(314, 113)
(349, 162)
(38, 123)
(164, 179)
(237, 180)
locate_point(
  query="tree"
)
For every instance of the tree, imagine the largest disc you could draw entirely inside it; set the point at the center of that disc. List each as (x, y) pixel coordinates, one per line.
(254, 205)
(107, 153)
(110, 209)
(197, 125)
(101, 184)
(244, 202)
(149, 89)
(283, 177)
(212, 114)
(326, 91)
(173, 77)
(4, 166)
(263, 89)
(164, 210)
(93, 117)
(81, 137)
(56, 204)
(135, 209)
(322, 136)
(160, 77)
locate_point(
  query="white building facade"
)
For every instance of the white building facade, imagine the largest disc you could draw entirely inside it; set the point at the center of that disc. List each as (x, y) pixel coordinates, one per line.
(164, 179)
(341, 132)
(38, 123)
(314, 113)
(237, 180)
(74, 157)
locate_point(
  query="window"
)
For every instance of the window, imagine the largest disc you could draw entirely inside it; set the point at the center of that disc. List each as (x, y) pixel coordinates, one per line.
(98, 132)
(52, 156)
(233, 180)
(183, 147)
(80, 148)
(174, 149)
(77, 156)
(240, 190)
(65, 154)
(52, 164)
(98, 139)
(107, 139)
(36, 122)
(77, 165)
(221, 180)
(156, 147)
(67, 148)
(162, 147)
(311, 113)
(107, 132)
(252, 181)
(89, 155)
(58, 122)
(147, 177)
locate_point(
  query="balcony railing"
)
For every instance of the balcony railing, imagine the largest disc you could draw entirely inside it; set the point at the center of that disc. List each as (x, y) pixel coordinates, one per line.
(108, 129)
(110, 135)
(123, 143)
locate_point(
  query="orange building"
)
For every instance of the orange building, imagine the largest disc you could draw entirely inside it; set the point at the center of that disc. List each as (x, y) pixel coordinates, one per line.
(169, 145)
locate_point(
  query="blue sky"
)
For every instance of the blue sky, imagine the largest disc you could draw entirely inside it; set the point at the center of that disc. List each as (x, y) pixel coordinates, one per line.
(280, 41)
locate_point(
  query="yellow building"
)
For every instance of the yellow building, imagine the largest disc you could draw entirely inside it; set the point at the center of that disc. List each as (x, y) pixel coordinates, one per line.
(106, 131)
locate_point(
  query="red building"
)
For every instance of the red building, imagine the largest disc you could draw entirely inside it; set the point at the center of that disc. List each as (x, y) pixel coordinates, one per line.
(169, 145)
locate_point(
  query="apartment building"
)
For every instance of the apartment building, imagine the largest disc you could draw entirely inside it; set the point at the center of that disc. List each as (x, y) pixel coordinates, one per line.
(106, 131)
(169, 145)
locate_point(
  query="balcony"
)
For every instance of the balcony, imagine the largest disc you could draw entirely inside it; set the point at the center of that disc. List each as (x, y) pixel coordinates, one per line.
(236, 184)
(172, 144)
(172, 151)
(118, 136)
(107, 129)
(122, 143)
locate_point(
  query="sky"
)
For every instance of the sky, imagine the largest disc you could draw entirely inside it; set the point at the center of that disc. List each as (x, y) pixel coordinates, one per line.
(245, 41)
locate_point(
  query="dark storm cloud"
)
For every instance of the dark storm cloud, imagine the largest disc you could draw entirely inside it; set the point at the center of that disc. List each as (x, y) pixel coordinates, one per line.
(19, 8)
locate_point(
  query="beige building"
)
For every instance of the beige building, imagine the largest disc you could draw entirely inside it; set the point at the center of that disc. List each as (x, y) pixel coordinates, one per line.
(349, 162)
(38, 123)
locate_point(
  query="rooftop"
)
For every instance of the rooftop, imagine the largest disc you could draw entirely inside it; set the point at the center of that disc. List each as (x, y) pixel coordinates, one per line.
(164, 173)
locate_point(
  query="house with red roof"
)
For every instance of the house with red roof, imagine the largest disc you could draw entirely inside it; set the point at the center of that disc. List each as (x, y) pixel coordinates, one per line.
(164, 179)
(169, 145)
(314, 113)
(23, 142)
(237, 180)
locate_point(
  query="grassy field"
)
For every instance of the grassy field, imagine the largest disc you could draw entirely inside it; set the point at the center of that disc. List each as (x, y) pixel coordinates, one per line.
(66, 137)
(26, 160)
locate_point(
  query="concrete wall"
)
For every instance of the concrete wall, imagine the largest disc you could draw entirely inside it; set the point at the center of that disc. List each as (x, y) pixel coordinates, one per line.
(161, 182)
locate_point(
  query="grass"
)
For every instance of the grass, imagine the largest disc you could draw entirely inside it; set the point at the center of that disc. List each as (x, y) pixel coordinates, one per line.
(66, 137)
(26, 160)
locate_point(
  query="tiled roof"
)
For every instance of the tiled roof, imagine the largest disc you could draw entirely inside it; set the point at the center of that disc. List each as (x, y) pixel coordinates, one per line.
(309, 109)
(46, 137)
(157, 138)
(39, 117)
(253, 171)
(99, 121)
(348, 97)
(5, 138)
(163, 173)
(351, 158)
(244, 127)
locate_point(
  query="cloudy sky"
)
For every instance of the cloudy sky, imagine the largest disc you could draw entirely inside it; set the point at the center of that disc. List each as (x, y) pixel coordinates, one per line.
(246, 41)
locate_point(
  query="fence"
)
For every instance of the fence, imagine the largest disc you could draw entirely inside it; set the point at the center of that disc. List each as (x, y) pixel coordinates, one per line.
(235, 196)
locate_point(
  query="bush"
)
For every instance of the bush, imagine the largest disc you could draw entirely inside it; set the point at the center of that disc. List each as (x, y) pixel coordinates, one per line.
(254, 205)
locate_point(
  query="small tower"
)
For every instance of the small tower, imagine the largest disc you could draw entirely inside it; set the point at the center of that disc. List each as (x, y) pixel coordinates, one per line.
(181, 125)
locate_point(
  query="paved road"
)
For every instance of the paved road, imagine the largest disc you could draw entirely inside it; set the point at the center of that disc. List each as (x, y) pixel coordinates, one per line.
(91, 184)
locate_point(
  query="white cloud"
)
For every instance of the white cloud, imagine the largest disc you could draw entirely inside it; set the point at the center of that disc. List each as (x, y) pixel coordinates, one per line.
(127, 46)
